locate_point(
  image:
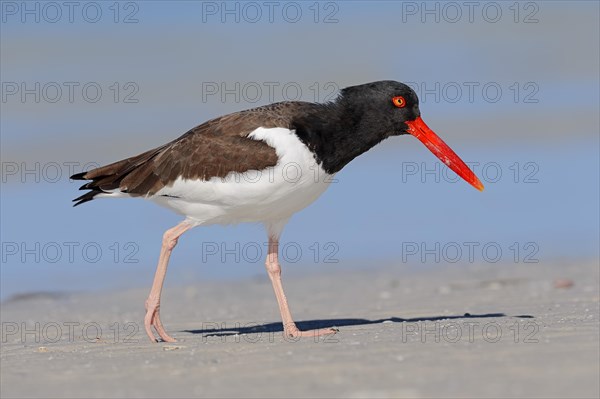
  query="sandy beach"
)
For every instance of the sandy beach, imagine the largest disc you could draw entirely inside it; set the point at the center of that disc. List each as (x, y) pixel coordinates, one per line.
(524, 330)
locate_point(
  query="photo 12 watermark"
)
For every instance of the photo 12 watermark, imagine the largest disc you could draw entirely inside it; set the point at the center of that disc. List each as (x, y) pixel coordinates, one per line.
(270, 91)
(253, 333)
(70, 12)
(253, 12)
(469, 252)
(453, 12)
(490, 92)
(69, 92)
(256, 252)
(518, 172)
(52, 252)
(468, 331)
(69, 331)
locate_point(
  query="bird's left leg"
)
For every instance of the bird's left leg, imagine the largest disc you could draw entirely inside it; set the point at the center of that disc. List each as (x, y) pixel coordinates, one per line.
(152, 318)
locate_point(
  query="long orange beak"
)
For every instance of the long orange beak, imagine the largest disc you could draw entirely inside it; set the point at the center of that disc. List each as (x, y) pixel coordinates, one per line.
(436, 145)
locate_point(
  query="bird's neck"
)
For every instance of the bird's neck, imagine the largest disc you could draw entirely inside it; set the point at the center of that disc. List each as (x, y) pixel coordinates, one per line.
(336, 134)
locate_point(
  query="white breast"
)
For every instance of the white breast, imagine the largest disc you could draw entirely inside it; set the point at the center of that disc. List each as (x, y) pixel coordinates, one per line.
(267, 195)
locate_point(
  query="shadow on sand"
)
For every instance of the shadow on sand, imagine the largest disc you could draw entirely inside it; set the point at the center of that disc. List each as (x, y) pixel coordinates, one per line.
(215, 329)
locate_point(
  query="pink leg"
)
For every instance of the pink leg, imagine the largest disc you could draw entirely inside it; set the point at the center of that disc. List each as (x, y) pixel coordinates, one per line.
(289, 327)
(153, 302)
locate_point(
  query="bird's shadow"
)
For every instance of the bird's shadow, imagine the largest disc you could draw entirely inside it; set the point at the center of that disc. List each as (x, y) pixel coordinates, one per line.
(221, 329)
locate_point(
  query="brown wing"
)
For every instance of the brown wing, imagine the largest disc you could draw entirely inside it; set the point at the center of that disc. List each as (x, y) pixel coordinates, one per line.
(212, 149)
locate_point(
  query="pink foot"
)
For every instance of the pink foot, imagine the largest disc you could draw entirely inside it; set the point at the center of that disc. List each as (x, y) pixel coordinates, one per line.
(293, 332)
(152, 319)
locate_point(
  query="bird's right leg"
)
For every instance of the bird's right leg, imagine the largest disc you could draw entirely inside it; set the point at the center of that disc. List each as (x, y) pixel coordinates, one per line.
(152, 318)
(274, 270)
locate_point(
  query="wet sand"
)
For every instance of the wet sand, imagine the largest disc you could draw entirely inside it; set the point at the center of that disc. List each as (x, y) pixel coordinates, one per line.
(519, 330)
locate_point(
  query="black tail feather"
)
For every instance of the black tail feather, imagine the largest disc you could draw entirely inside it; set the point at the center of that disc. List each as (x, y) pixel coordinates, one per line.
(87, 186)
(87, 197)
(79, 176)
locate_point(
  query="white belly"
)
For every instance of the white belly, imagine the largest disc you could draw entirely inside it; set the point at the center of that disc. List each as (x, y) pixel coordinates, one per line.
(254, 196)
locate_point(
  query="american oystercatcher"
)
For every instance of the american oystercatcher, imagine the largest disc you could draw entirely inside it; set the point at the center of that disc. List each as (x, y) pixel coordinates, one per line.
(263, 165)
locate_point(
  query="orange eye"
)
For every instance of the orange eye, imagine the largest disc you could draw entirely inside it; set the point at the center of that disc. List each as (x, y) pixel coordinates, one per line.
(399, 101)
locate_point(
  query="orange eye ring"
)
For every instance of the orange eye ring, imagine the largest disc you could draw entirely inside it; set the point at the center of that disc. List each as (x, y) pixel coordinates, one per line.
(399, 101)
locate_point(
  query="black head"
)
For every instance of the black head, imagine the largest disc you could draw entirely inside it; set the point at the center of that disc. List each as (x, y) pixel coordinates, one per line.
(364, 115)
(382, 107)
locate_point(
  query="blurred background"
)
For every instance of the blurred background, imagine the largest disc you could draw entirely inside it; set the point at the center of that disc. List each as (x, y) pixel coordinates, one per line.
(512, 87)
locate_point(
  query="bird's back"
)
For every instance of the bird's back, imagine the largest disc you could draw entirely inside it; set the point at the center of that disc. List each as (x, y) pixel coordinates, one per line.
(214, 149)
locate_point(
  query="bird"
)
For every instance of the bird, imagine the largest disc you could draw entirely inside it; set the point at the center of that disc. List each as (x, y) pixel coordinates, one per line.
(262, 165)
